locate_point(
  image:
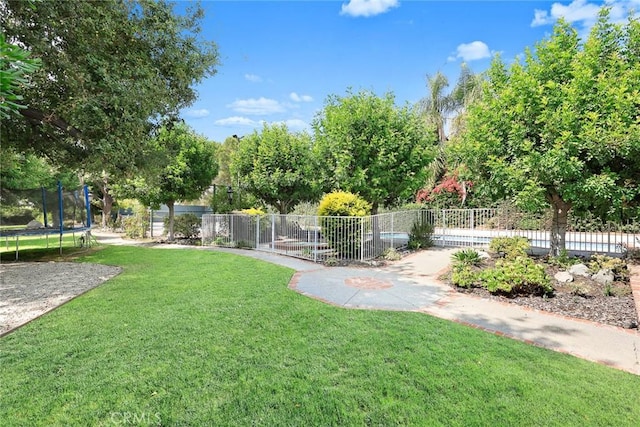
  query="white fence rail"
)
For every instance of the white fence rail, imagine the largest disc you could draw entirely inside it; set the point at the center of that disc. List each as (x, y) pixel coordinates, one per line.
(312, 237)
(365, 238)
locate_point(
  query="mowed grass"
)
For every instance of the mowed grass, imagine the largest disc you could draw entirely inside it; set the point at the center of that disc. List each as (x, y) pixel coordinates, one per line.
(39, 247)
(194, 338)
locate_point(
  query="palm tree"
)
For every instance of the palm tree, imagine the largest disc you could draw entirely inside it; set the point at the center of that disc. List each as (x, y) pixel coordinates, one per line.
(435, 107)
(467, 90)
(438, 106)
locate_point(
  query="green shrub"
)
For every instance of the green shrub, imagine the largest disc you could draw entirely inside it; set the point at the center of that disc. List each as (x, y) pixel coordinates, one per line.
(253, 211)
(421, 234)
(221, 241)
(608, 290)
(617, 266)
(185, 225)
(515, 276)
(343, 234)
(343, 203)
(631, 253)
(466, 257)
(243, 244)
(331, 261)
(463, 276)
(135, 226)
(510, 247)
(391, 254)
(563, 260)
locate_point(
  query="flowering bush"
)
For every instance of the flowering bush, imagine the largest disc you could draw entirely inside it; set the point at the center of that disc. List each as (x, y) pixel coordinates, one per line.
(449, 192)
(252, 211)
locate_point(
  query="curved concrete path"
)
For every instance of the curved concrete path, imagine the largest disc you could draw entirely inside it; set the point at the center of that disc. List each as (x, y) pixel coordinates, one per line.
(412, 284)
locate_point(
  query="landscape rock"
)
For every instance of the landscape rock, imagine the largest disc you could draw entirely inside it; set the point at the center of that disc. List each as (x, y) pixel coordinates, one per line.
(604, 276)
(483, 255)
(580, 270)
(563, 277)
(34, 225)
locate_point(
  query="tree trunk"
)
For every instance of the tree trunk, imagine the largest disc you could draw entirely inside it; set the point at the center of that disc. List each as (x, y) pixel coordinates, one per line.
(171, 218)
(559, 225)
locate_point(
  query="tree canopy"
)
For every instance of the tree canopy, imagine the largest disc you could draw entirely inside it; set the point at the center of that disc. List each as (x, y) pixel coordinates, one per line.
(15, 67)
(111, 70)
(367, 145)
(275, 165)
(185, 165)
(562, 127)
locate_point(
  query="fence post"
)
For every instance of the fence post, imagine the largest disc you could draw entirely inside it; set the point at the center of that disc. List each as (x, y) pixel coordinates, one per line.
(315, 238)
(273, 232)
(362, 239)
(392, 231)
(444, 226)
(472, 219)
(257, 231)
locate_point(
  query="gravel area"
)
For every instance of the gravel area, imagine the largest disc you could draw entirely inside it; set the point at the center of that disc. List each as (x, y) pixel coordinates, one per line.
(30, 289)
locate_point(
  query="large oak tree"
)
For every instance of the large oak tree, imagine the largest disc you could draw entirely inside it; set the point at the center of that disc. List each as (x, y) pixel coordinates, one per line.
(110, 70)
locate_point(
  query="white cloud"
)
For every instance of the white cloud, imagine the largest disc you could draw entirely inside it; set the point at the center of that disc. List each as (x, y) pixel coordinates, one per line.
(253, 78)
(293, 124)
(472, 51)
(540, 17)
(367, 8)
(296, 124)
(197, 114)
(300, 98)
(235, 121)
(581, 11)
(256, 106)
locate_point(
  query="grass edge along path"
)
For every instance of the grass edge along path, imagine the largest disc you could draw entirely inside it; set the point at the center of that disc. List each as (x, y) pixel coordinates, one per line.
(186, 337)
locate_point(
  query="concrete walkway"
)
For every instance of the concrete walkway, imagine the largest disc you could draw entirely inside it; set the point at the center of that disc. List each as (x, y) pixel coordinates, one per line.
(412, 284)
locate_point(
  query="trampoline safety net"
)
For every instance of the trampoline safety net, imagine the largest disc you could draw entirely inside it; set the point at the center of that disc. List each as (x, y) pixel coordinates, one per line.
(44, 211)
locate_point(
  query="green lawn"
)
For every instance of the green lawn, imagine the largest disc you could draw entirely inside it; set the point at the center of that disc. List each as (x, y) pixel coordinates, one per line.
(34, 247)
(194, 338)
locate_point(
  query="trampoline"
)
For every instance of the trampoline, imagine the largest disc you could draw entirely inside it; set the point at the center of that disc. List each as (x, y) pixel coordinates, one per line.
(45, 212)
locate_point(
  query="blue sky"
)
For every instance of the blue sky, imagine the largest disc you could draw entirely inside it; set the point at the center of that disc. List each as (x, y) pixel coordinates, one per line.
(281, 59)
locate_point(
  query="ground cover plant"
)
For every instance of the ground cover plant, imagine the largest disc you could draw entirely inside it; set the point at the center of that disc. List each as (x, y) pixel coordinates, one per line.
(192, 337)
(511, 274)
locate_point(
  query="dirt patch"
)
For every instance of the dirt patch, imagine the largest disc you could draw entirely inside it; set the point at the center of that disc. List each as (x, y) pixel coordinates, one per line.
(30, 289)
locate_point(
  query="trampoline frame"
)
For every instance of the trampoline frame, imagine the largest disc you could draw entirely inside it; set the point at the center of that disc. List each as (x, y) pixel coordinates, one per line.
(60, 231)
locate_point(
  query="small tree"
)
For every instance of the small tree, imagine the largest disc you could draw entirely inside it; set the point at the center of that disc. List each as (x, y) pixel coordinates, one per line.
(275, 165)
(367, 145)
(188, 168)
(562, 127)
